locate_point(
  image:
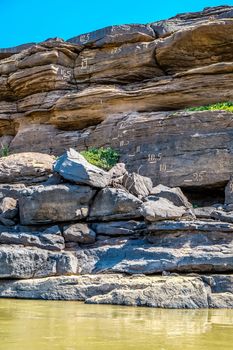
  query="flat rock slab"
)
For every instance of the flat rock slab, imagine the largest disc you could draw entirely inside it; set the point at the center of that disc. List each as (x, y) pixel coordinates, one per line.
(212, 252)
(26, 168)
(49, 239)
(185, 225)
(155, 291)
(23, 262)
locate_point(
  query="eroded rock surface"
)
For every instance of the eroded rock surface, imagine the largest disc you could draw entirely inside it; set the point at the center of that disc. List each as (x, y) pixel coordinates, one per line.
(70, 230)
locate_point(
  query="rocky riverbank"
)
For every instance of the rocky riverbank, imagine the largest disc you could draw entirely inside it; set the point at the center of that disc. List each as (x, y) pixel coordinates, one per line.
(73, 231)
(156, 229)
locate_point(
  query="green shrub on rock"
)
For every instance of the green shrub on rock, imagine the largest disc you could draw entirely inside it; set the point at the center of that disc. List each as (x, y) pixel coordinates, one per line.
(104, 158)
(221, 106)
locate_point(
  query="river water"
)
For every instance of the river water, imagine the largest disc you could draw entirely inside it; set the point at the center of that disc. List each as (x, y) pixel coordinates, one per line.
(58, 325)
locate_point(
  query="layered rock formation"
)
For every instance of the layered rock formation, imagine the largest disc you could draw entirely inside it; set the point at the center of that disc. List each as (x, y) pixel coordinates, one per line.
(73, 224)
(127, 87)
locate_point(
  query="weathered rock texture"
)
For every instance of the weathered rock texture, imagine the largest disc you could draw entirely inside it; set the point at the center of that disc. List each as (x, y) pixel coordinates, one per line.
(70, 230)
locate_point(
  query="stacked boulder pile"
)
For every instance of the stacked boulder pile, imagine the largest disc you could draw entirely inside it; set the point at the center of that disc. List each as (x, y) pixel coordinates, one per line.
(70, 230)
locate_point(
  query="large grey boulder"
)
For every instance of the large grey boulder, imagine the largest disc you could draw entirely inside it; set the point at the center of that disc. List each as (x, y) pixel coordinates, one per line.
(115, 204)
(119, 228)
(50, 238)
(79, 233)
(19, 262)
(74, 167)
(55, 203)
(162, 209)
(139, 186)
(174, 195)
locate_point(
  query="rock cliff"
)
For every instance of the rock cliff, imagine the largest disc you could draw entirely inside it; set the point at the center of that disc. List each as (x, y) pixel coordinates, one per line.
(157, 232)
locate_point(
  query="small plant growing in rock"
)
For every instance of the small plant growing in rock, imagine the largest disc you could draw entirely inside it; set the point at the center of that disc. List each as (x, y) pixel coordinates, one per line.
(4, 151)
(221, 106)
(104, 158)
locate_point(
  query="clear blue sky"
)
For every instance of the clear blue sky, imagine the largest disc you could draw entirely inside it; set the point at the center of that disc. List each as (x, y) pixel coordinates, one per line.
(24, 21)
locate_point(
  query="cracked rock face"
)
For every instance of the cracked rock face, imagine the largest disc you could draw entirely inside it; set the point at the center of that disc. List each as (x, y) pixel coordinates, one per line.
(156, 229)
(129, 81)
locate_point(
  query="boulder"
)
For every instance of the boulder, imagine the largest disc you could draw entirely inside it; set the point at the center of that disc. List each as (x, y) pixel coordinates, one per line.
(27, 168)
(115, 204)
(162, 209)
(119, 228)
(204, 212)
(74, 167)
(117, 173)
(49, 239)
(79, 233)
(139, 186)
(55, 203)
(174, 195)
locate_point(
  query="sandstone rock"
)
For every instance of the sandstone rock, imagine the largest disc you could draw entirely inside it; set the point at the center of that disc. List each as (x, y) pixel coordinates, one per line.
(74, 167)
(161, 209)
(229, 192)
(156, 291)
(139, 186)
(13, 190)
(127, 63)
(117, 173)
(115, 204)
(175, 53)
(7, 52)
(115, 35)
(17, 262)
(185, 149)
(176, 292)
(8, 211)
(119, 228)
(79, 233)
(25, 168)
(50, 239)
(204, 252)
(222, 216)
(197, 225)
(55, 203)
(204, 212)
(174, 195)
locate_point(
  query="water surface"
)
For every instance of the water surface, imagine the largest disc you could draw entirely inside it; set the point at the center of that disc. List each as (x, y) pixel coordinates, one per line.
(58, 325)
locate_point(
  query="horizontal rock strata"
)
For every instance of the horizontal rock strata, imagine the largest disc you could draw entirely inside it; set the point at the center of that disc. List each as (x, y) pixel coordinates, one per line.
(157, 229)
(191, 292)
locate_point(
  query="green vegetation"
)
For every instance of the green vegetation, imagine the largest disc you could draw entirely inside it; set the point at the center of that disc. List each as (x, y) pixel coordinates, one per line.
(225, 106)
(4, 151)
(104, 158)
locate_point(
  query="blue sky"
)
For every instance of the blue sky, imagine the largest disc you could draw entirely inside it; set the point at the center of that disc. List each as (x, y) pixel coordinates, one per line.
(24, 21)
